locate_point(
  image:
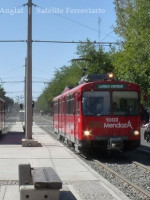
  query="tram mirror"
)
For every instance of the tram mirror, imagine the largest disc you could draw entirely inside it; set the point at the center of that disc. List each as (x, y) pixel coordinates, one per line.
(32, 104)
(145, 97)
(21, 106)
(51, 104)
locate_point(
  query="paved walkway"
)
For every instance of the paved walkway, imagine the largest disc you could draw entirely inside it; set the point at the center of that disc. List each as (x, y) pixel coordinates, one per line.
(80, 182)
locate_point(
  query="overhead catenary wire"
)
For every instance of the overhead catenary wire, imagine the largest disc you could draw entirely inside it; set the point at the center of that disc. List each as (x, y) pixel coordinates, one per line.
(23, 82)
(11, 81)
(66, 18)
(69, 19)
(79, 23)
(64, 42)
(59, 42)
(22, 92)
(77, 42)
(13, 40)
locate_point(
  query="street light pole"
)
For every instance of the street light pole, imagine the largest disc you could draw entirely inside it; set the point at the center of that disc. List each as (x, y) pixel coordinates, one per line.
(25, 117)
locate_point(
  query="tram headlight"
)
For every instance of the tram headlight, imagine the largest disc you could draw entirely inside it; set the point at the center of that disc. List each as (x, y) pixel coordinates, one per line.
(136, 133)
(87, 133)
(110, 75)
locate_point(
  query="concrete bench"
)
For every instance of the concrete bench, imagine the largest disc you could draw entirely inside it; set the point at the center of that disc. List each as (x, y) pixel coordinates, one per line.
(38, 183)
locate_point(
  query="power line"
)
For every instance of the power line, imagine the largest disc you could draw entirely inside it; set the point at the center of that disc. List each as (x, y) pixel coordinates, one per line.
(40, 82)
(64, 42)
(45, 82)
(12, 70)
(13, 40)
(11, 81)
(107, 35)
(41, 79)
(23, 91)
(82, 24)
(76, 22)
(15, 92)
(64, 17)
(76, 42)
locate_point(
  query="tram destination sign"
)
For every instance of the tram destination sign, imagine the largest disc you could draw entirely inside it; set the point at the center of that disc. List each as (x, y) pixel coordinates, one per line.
(111, 86)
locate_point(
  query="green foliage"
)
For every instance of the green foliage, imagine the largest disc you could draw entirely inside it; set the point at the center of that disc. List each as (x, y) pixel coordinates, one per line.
(66, 76)
(100, 62)
(8, 101)
(2, 92)
(132, 61)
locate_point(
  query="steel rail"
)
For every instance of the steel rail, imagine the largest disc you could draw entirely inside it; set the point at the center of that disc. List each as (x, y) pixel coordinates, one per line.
(146, 193)
(123, 178)
(141, 165)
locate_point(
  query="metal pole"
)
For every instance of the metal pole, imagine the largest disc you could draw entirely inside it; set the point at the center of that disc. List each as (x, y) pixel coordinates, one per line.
(25, 93)
(28, 141)
(99, 26)
(29, 75)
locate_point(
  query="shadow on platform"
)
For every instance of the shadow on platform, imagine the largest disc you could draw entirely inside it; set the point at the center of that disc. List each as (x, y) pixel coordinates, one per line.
(12, 138)
(64, 195)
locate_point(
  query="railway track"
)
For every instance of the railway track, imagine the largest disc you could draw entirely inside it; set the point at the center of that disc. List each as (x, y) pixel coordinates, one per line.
(130, 174)
(124, 179)
(136, 189)
(141, 165)
(131, 177)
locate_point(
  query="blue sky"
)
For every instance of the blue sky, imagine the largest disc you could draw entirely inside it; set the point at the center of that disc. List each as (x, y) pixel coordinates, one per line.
(62, 20)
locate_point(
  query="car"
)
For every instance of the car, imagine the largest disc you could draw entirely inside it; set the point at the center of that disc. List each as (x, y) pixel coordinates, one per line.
(145, 125)
(147, 132)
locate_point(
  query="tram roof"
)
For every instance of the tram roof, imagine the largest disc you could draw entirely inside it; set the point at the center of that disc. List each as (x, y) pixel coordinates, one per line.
(93, 78)
(97, 78)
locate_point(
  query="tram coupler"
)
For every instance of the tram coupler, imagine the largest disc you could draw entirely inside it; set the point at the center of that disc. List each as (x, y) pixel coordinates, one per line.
(115, 144)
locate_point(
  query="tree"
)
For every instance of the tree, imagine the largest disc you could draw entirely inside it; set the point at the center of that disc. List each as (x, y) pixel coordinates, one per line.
(132, 61)
(2, 92)
(66, 76)
(8, 101)
(69, 76)
(100, 61)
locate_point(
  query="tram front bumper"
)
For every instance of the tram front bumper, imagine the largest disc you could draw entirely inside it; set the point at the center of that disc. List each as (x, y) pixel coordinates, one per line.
(115, 144)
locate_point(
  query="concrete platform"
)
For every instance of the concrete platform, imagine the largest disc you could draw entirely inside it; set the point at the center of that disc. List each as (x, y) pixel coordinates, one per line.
(80, 182)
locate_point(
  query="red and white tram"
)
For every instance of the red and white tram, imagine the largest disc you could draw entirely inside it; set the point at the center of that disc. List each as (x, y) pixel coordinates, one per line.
(2, 114)
(100, 112)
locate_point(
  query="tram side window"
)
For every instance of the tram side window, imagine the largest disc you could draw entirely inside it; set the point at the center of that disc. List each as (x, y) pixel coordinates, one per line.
(96, 103)
(60, 110)
(127, 103)
(56, 108)
(70, 104)
(63, 107)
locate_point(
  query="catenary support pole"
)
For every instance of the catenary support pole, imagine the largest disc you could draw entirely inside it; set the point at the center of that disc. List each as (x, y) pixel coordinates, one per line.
(28, 141)
(29, 75)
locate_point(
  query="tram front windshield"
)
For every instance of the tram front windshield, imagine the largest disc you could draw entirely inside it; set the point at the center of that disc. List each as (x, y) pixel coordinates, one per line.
(97, 103)
(125, 103)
